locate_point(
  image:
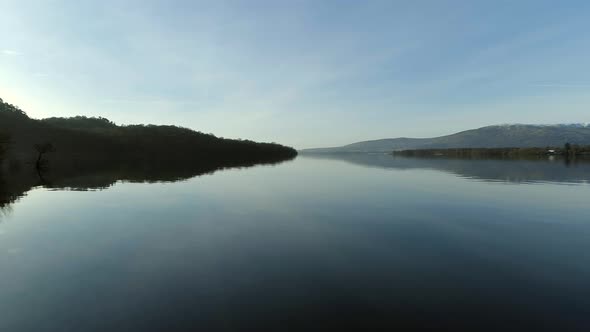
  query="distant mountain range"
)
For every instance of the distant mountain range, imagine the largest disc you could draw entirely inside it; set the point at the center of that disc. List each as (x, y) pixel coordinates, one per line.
(498, 136)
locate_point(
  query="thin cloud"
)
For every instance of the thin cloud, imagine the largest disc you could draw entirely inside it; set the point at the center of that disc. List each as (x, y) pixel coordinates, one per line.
(10, 52)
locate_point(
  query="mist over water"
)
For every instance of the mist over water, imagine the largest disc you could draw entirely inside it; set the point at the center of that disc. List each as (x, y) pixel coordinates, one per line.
(330, 242)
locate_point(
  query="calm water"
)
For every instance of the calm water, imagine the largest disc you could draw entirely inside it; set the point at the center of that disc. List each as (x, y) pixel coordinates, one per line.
(360, 241)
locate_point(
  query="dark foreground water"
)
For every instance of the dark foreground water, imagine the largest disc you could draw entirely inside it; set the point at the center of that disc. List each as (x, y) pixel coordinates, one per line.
(359, 242)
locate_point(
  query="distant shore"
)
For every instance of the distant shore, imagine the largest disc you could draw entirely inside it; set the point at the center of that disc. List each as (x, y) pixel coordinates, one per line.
(566, 152)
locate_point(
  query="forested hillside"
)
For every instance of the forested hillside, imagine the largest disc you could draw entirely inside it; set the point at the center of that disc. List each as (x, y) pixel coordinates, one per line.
(98, 140)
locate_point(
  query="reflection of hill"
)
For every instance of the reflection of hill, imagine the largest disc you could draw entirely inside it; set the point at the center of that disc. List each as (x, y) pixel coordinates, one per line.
(15, 184)
(504, 170)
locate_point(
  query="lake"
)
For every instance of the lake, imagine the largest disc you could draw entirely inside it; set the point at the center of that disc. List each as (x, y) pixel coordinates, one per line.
(361, 242)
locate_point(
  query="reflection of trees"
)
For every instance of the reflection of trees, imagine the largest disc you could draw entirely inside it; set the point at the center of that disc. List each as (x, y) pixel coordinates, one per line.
(4, 211)
(13, 186)
(98, 176)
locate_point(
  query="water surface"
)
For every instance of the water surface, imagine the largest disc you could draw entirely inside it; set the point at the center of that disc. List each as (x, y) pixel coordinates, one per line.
(354, 241)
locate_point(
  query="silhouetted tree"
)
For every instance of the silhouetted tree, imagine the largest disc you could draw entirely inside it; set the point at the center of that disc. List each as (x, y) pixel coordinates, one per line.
(42, 149)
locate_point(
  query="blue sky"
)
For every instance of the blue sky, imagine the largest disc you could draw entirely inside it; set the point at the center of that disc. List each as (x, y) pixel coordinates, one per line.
(303, 73)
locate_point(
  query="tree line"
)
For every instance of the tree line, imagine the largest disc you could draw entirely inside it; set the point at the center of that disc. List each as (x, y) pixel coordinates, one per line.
(84, 139)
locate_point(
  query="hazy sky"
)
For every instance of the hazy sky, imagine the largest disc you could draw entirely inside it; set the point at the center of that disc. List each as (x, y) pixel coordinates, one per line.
(304, 73)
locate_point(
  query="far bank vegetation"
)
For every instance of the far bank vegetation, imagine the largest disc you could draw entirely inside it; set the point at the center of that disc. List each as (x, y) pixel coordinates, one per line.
(567, 151)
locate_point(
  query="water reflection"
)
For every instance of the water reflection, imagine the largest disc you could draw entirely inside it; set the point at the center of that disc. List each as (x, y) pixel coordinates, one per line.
(82, 176)
(15, 183)
(310, 245)
(492, 170)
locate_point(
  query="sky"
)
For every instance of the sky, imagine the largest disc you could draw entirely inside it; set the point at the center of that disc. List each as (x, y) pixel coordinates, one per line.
(302, 73)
